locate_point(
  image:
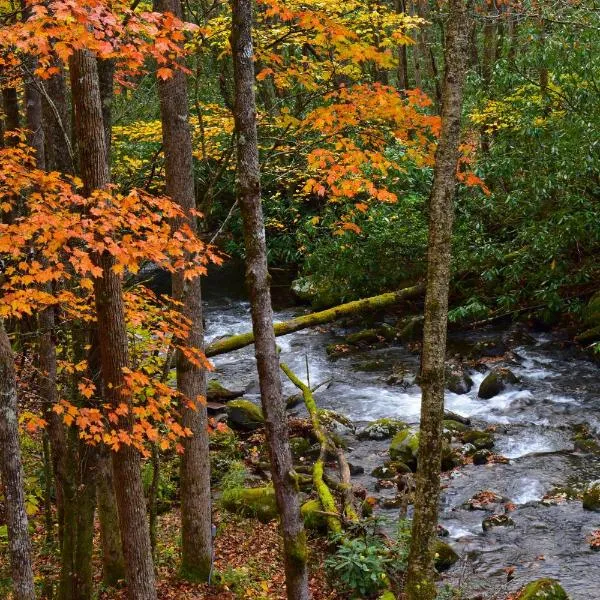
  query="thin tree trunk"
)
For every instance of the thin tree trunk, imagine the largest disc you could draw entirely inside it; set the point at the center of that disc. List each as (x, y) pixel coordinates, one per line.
(11, 471)
(403, 82)
(196, 519)
(257, 277)
(112, 334)
(420, 583)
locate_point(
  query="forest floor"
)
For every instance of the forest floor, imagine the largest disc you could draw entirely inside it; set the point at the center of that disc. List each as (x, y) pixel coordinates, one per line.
(248, 563)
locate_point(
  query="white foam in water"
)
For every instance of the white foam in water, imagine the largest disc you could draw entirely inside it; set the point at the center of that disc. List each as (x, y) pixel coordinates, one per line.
(530, 490)
(529, 442)
(471, 406)
(456, 532)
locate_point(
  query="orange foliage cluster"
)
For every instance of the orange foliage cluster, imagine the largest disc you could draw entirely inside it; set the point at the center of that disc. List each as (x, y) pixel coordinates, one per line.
(50, 259)
(56, 29)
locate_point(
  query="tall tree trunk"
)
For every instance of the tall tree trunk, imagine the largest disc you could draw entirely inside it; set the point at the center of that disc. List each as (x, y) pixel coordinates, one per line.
(403, 82)
(196, 519)
(11, 471)
(257, 277)
(420, 583)
(112, 334)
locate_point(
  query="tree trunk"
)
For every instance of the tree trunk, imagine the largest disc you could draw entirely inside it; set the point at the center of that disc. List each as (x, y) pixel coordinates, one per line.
(257, 276)
(420, 583)
(113, 563)
(349, 309)
(11, 471)
(112, 334)
(196, 518)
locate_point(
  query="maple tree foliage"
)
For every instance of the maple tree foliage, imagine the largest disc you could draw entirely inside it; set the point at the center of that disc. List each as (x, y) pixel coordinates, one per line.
(49, 255)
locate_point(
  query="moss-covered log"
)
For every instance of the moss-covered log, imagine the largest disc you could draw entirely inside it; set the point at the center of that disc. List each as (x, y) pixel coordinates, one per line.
(327, 444)
(235, 342)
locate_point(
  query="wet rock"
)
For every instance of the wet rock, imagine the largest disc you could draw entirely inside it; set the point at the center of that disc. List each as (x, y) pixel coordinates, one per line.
(468, 449)
(484, 500)
(370, 366)
(372, 336)
(216, 392)
(441, 531)
(294, 400)
(452, 416)
(496, 382)
(310, 512)
(543, 589)
(336, 423)
(356, 469)
(455, 427)
(390, 469)
(245, 415)
(401, 377)
(497, 521)
(591, 497)
(382, 429)
(445, 556)
(457, 379)
(336, 350)
(481, 457)
(395, 502)
(256, 502)
(480, 439)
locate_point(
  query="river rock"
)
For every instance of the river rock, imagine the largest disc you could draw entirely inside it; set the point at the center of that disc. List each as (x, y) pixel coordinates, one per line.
(245, 415)
(452, 416)
(591, 497)
(480, 439)
(405, 447)
(543, 589)
(457, 379)
(256, 502)
(497, 521)
(336, 423)
(445, 556)
(217, 392)
(481, 457)
(455, 427)
(315, 292)
(382, 429)
(496, 382)
(390, 469)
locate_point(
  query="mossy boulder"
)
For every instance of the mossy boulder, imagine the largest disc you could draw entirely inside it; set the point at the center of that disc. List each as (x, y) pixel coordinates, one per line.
(315, 291)
(217, 392)
(543, 589)
(455, 427)
(482, 440)
(591, 314)
(256, 502)
(496, 382)
(445, 556)
(390, 469)
(481, 457)
(372, 336)
(382, 429)
(311, 513)
(245, 415)
(405, 448)
(591, 497)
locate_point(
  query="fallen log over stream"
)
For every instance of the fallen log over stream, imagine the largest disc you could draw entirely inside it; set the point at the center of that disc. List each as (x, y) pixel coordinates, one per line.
(356, 307)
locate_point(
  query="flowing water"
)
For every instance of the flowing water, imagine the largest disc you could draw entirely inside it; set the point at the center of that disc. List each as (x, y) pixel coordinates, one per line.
(533, 429)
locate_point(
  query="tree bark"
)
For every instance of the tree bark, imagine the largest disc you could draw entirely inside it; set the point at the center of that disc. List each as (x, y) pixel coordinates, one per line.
(11, 471)
(112, 334)
(257, 276)
(196, 518)
(356, 307)
(420, 583)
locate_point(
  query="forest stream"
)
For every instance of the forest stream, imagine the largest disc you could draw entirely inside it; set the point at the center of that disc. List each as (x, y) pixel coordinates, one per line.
(533, 428)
